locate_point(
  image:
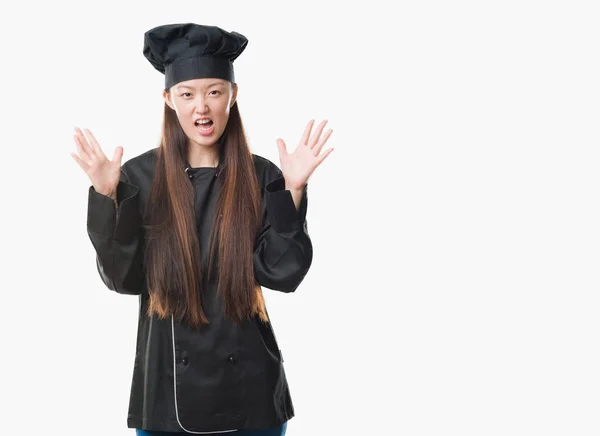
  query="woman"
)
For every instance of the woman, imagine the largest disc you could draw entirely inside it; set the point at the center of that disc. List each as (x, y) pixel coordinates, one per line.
(196, 227)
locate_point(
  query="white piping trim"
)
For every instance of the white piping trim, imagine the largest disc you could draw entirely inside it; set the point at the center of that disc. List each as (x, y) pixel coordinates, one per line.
(175, 390)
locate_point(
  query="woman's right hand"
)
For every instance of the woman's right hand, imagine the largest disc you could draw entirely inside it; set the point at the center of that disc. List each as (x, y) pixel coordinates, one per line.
(103, 173)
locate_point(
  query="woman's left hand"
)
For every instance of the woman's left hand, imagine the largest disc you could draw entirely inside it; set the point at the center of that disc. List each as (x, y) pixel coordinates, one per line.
(299, 165)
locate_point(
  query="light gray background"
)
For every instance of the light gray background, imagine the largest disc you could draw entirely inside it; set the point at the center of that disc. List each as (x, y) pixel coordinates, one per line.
(454, 289)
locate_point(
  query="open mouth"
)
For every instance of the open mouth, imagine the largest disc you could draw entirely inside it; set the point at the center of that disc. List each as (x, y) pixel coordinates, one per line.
(204, 126)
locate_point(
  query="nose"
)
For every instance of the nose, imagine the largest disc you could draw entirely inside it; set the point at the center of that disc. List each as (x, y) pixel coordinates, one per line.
(202, 105)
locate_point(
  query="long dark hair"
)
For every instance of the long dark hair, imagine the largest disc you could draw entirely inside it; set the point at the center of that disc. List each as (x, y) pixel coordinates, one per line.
(173, 261)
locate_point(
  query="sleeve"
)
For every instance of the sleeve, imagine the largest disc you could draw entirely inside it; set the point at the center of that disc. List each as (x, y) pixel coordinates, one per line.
(117, 237)
(283, 251)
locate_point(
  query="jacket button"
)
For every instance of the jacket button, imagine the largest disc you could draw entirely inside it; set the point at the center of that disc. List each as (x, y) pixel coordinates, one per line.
(231, 358)
(184, 360)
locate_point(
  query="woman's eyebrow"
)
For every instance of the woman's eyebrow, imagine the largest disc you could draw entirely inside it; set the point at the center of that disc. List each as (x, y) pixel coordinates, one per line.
(209, 86)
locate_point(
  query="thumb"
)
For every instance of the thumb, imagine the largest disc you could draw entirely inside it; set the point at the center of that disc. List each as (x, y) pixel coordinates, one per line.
(281, 146)
(118, 155)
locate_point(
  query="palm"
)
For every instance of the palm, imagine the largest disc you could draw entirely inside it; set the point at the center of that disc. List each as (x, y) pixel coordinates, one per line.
(298, 166)
(103, 173)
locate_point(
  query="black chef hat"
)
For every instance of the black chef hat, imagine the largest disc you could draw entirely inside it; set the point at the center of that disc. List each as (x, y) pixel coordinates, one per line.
(193, 51)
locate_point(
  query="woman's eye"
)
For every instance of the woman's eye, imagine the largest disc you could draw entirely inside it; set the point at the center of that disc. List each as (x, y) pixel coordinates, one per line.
(214, 92)
(185, 94)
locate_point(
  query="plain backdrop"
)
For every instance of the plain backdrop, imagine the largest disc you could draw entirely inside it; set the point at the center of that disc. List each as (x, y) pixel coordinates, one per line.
(454, 288)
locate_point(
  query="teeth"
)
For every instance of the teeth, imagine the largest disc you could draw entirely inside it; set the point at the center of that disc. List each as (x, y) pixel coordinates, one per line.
(202, 121)
(204, 129)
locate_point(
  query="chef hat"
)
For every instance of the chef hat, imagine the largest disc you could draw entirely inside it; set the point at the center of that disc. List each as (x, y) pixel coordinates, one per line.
(192, 51)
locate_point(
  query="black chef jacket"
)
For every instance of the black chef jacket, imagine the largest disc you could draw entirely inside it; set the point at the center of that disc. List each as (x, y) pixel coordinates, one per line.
(221, 377)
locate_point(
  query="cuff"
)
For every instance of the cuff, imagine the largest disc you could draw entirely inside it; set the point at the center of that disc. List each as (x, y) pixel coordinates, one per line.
(281, 210)
(102, 214)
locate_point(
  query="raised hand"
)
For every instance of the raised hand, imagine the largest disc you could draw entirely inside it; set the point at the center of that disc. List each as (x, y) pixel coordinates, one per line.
(299, 165)
(103, 173)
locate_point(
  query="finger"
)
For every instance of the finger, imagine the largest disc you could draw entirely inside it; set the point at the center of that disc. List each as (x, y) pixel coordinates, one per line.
(317, 134)
(322, 156)
(84, 143)
(306, 134)
(82, 151)
(118, 155)
(81, 163)
(281, 147)
(94, 143)
(317, 148)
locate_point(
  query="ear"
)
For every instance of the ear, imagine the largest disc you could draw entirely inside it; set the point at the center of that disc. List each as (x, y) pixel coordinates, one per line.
(233, 96)
(167, 97)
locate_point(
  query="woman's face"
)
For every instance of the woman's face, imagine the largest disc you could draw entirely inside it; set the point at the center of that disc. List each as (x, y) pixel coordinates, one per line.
(202, 107)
